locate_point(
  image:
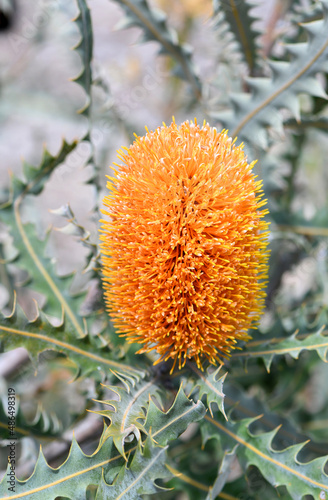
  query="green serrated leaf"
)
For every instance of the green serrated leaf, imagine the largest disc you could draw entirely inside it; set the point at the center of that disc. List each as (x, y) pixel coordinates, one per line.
(42, 276)
(241, 405)
(291, 345)
(94, 311)
(223, 474)
(191, 485)
(165, 426)
(127, 410)
(76, 229)
(139, 478)
(306, 122)
(237, 16)
(70, 480)
(39, 335)
(208, 385)
(280, 468)
(153, 23)
(36, 177)
(85, 49)
(42, 425)
(30, 254)
(253, 113)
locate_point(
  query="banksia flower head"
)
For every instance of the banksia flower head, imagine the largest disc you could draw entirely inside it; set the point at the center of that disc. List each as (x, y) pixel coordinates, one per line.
(184, 250)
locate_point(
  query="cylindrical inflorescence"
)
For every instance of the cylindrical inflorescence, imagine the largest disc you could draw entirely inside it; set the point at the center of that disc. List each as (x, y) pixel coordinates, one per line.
(184, 245)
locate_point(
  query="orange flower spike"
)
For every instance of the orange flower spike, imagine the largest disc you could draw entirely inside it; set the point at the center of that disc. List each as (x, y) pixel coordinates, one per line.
(184, 249)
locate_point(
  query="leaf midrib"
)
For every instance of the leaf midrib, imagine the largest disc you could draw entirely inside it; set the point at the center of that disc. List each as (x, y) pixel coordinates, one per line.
(62, 480)
(70, 347)
(264, 456)
(269, 99)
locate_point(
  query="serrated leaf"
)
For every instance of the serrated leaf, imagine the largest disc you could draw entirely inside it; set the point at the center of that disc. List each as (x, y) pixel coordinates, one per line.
(42, 276)
(237, 16)
(85, 49)
(253, 113)
(36, 176)
(31, 251)
(42, 425)
(125, 412)
(70, 480)
(153, 23)
(317, 122)
(291, 345)
(241, 405)
(148, 465)
(74, 228)
(223, 474)
(280, 468)
(39, 335)
(165, 426)
(208, 385)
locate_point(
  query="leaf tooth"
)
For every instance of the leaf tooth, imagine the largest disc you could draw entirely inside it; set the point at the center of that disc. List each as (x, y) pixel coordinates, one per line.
(296, 50)
(124, 23)
(258, 85)
(311, 86)
(42, 464)
(293, 104)
(278, 68)
(240, 100)
(224, 116)
(267, 362)
(294, 450)
(261, 137)
(30, 171)
(272, 119)
(63, 211)
(70, 229)
(313, 28)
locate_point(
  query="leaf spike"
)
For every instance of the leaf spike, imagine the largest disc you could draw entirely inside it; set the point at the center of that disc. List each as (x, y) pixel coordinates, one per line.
(250, 420)
(125, 380)
(295, 49)
(237, 23)
(258, 85)
(313, 28)
(293, 105)
(278, 68)
(239, 100)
